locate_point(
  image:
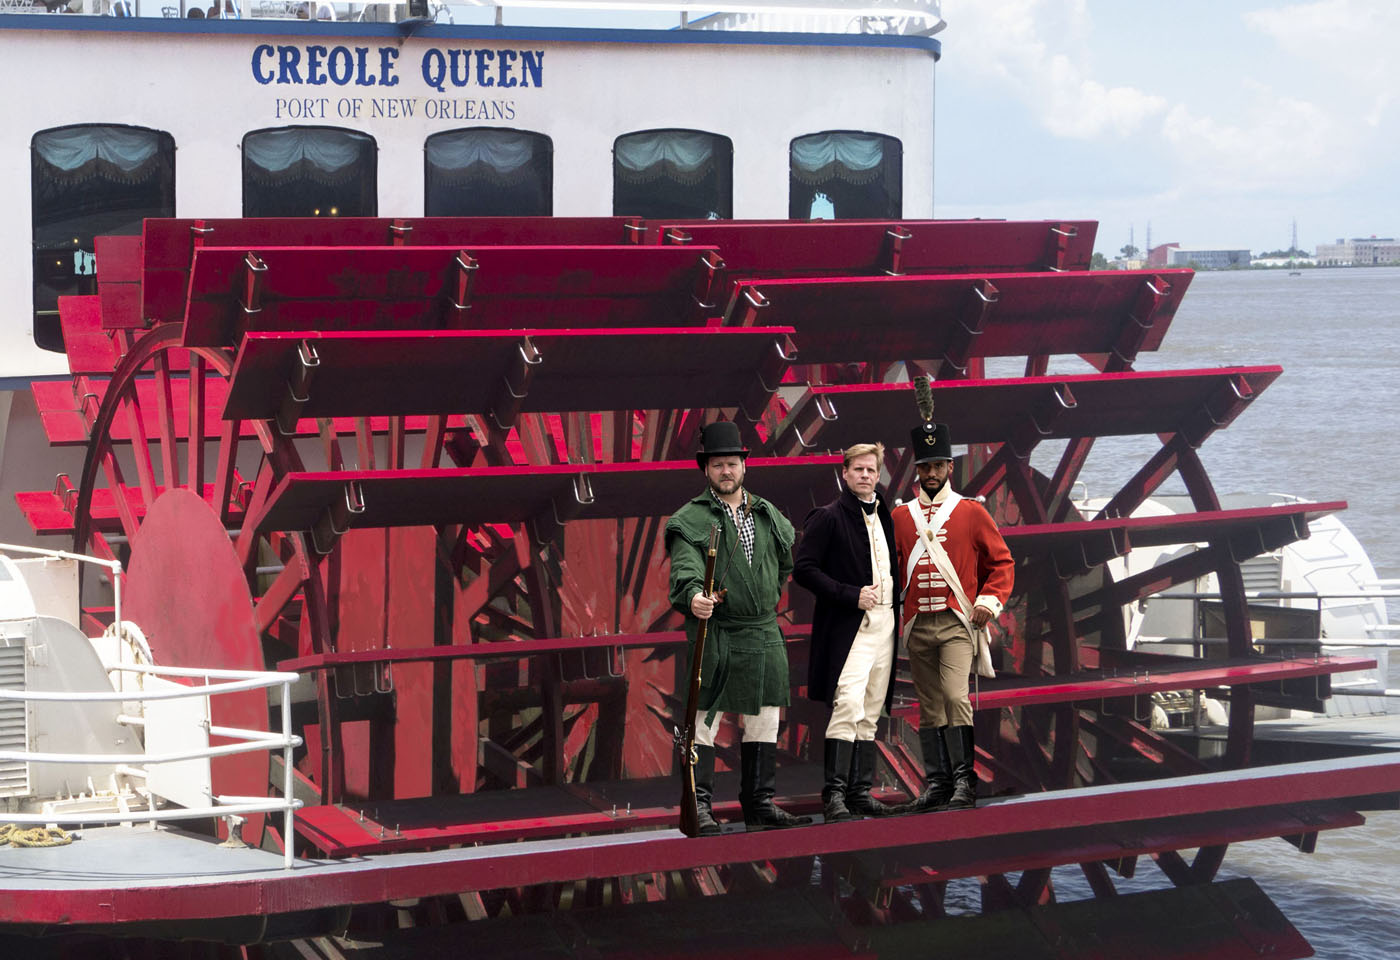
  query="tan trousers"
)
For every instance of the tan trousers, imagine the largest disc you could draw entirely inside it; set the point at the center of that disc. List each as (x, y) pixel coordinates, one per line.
(940, 658)
(761, 727)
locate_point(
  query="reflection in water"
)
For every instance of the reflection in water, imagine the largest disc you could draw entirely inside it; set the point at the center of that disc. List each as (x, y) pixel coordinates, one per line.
(1344, 899)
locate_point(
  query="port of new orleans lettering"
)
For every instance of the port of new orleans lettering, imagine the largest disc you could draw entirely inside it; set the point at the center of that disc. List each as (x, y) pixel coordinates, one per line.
(316, 65)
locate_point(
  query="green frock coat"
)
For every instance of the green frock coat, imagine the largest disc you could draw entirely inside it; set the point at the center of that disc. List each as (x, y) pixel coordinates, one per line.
(745, 663)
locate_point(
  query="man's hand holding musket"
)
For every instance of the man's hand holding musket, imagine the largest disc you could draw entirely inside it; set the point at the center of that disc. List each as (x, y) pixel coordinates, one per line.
(691, 825)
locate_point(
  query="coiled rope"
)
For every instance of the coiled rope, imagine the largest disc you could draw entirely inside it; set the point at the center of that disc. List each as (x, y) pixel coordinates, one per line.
(17, 836)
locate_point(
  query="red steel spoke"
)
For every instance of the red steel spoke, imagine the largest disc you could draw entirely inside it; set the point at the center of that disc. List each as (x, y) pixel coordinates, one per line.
(227, 467)
(194, 451)
(165, 422)
(272, 603)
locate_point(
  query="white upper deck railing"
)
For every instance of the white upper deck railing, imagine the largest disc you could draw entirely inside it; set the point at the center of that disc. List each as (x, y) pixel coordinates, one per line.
(915, 16)
(228, 681)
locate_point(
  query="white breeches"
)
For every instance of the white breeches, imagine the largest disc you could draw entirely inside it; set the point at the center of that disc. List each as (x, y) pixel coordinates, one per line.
(758, 728)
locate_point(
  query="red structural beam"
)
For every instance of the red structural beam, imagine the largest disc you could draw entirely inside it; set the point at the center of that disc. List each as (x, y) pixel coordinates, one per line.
(1041, 408)
(846, 247)
(234, 290)
(170, 244)
(422, 371)
(1101, 685)
(473, 496)
(848, 319)
(506, 649)
(750, 248)
(1200, 527)
(50, 512)
(65, 411)
(128, 890)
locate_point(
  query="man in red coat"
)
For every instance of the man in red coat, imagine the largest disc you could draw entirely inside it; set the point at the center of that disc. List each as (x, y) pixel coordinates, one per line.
(956, 574)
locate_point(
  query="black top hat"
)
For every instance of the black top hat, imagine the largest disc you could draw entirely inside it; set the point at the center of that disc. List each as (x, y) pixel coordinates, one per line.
(931, 441)
(720, 438)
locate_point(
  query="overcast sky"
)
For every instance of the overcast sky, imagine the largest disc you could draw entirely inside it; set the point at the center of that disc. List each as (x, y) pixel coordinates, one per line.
(1220, 122)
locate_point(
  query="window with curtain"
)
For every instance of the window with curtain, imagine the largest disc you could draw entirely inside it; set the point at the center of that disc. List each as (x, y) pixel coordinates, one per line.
(86, 181)
(845, 175)
(686, 174)
(309, 172)
(488, 171)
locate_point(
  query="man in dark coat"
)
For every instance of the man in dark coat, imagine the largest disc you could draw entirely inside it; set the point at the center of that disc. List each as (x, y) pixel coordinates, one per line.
(745, 668)
(847, 560)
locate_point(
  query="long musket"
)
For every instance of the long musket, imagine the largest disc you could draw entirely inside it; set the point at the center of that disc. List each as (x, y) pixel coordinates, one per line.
(690, 815)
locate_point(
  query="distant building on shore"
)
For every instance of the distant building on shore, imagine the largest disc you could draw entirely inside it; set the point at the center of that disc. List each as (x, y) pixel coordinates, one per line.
(1207, 259)
(1157, 256)
(1358, 252)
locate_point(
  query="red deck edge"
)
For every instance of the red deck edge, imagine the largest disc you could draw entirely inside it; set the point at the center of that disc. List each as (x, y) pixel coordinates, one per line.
(1030, 693)
(311, 885)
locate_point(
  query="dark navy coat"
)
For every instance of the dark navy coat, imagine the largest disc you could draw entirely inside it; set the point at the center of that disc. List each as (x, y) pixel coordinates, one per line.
(833, 562)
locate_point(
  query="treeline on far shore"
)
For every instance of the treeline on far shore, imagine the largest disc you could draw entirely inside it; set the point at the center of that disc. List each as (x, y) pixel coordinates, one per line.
(1107, 264)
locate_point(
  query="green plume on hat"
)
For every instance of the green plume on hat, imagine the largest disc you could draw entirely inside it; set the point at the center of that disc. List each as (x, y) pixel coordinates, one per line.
(923, 396)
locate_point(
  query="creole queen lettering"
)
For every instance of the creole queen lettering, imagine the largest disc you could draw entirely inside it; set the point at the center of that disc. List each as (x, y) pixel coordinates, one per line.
(317, 65)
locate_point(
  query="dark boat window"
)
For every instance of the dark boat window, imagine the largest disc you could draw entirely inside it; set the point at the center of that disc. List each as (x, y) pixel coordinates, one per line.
(309, 172)
(673, 173)
(488, 172)
(845, 175)
(86, 181)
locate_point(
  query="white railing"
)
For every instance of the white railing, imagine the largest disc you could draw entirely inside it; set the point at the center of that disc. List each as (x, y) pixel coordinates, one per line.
(925, 14)
(250, 740)
(115, 566)
(231, 681)
(1383, 591)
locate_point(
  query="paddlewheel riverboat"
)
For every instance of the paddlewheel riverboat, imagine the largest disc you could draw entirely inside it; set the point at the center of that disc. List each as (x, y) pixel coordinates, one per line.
(375, 657)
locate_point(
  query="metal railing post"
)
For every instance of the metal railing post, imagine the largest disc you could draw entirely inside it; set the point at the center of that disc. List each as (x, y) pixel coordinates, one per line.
(288, 821)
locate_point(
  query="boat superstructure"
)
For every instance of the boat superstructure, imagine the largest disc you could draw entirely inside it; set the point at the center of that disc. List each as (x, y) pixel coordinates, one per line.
(397, 475)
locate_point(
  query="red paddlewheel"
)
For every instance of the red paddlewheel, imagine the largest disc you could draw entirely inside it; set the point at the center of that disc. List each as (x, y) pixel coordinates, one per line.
(361, 451)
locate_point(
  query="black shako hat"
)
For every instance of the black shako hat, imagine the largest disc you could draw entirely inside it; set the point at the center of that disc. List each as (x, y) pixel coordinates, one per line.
(720, 438)
(931, 441)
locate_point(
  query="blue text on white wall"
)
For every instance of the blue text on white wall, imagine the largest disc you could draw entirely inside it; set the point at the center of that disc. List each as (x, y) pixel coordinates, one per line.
(317, 65)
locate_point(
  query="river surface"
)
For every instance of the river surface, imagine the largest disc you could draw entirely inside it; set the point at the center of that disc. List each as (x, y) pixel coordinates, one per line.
(1344, 898)
(1325, 430)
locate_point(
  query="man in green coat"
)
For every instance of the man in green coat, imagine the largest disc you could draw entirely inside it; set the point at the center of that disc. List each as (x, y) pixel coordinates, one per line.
(745, 667)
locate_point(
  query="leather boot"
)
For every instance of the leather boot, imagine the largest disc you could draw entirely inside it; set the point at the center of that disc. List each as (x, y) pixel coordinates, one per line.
(858, 798)
(938, 773)
(961, 754)
(838, 767)
(705, 790)
(758, 768)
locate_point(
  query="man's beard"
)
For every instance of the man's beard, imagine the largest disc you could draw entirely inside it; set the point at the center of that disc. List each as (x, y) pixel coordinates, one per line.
(718, 487)
(932, 485)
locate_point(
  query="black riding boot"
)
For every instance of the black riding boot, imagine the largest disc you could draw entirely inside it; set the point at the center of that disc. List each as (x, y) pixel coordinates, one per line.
(758, 768)
(705, 790)
(858, 798)
(838, 766)
(938, 773)
(960, 753)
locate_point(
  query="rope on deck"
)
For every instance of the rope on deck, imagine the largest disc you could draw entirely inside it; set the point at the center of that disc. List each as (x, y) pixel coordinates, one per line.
(16, 836)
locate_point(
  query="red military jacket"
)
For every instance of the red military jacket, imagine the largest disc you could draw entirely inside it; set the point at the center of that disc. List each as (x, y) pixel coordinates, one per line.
(978, 553)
